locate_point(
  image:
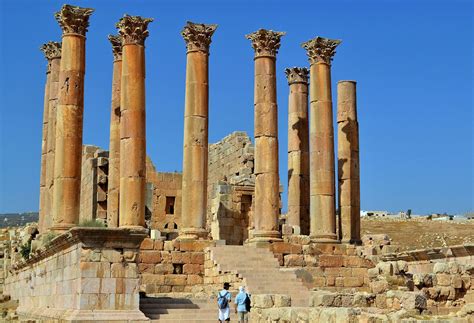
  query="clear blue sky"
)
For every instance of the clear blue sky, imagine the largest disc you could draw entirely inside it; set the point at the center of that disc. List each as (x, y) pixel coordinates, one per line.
(412, 61)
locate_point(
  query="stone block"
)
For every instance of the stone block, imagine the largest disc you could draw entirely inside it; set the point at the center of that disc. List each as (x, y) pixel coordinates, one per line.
(163, 269)
(440, 268)
(90, 255)
(197, 258)
(147, 278)
(385, 268)
(353, 281)
(194, 245)
(443, 279)
(94, 269)
(193, 269)
(149, 257)
(281, 300)
(147, 244)
(175, 280)
(178, 257)
(158, 244)
(379, 286)
(323, 298)
(111, 255)
(293, 260)
(146, 268)
(90, 285)
(330, 260)
(262, 301)
(194, 280)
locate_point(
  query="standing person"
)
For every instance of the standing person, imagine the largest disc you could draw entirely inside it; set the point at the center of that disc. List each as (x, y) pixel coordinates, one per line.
(223, 300)
(242, 305)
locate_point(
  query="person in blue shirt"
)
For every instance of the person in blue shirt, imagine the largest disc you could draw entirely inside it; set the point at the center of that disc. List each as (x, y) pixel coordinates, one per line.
(241, 307)
(223, 301)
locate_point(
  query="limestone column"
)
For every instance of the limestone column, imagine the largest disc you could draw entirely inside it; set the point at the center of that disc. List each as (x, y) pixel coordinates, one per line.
(53, 52)
(267, 197)
(133, 30)
(348, 162)
(322, 175)
(44, 148)
(113, 184)
(196, 120)
(74, 22)
(298, 150)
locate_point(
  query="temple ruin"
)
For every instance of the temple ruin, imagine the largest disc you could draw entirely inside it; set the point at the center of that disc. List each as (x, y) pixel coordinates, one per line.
(120, 241)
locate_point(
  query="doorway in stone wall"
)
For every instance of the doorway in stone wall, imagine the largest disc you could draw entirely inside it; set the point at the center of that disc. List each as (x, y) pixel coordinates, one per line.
(246, 212)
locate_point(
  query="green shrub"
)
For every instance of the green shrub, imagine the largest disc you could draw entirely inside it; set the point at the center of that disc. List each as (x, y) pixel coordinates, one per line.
(48, 237)
(92, 224)
(25, 250)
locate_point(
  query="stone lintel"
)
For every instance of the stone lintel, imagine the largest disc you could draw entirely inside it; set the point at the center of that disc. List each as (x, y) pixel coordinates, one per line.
(133, 29)
(73, 19)
(297, 75)
(51, 50)
(90, 238)
(116, 42)
(198, 36)
(265, 42)
(321, 49)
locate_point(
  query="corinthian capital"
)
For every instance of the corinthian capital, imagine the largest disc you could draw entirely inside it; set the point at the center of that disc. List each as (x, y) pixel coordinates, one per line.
(73, 20)
(133, 29)
(198, 36)
(116, 41)
(265, 42)
(297, 75)
(321, 49)
(51, 50)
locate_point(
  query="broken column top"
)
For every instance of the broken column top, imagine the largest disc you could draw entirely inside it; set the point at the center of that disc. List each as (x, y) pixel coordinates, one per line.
(198, 36)
(297, 75)
(116, 41)
(265, 42)
(133, 29)
(51, 50)
(321, 49)
(73, 19)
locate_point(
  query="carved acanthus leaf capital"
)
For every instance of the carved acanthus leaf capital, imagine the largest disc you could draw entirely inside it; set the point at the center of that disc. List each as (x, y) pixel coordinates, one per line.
(198, 36)
(297, 75)
(133, 29)
(265, 42)
(116, 41)
(51, 50)
(73, 19)
(321, 49)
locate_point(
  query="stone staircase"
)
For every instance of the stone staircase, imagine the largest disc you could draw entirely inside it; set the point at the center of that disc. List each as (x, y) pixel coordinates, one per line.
(184, 310)
(260, 271)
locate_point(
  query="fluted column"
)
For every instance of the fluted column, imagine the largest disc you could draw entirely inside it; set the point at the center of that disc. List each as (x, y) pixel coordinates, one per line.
(113, 177)
(52, 51)
(298, 150)
(196, 120)
(68, 147)
(322, 175)
(133, 30)
(348, 162)
(267, 197)
(44, 148)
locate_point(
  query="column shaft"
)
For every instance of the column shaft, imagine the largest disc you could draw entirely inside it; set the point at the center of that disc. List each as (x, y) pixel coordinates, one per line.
(298, 150)
(44, 150)
(68, 146)
(132, 137)
(113, 185)
(53, 102)
(195, 148)
(348, 162)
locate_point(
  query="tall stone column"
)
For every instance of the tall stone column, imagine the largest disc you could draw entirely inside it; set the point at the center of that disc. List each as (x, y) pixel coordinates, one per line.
(348, 162)
(298, 150)
(68, 147)
(322, 179)
(267, 197)
(52, 51)
(44, 140)
(196, 120)
(113, 184)
(133, 30)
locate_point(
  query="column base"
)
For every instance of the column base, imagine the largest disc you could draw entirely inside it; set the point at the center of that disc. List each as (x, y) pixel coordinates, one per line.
(62, 227)
(262, 237)
(356, 242)
(192, 234)
(325, 238)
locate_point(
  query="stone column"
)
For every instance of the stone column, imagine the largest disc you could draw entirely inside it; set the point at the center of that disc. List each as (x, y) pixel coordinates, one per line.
(322, 179)
(348, 162)
(267, 197)
(52, 51)
(113, 184)
(133, 30)
(68, 147)
(298, 150)
(44, 140)
(195, 147)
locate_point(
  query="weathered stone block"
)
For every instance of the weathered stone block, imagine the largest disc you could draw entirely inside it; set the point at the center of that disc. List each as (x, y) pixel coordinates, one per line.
(330, 260)
(293, 260)
(178, 257)
(149, 257)
(147, 244)
(175, 280)
(353, 281)
(163, 269)
(281, 300)
(111, 255)
(262, 301)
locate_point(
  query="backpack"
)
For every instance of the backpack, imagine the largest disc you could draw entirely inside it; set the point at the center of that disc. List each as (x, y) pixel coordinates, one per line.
(222, 301)
(247, 303)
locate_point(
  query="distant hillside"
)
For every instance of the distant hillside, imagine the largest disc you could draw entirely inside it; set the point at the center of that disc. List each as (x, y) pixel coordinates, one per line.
(17, 219)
